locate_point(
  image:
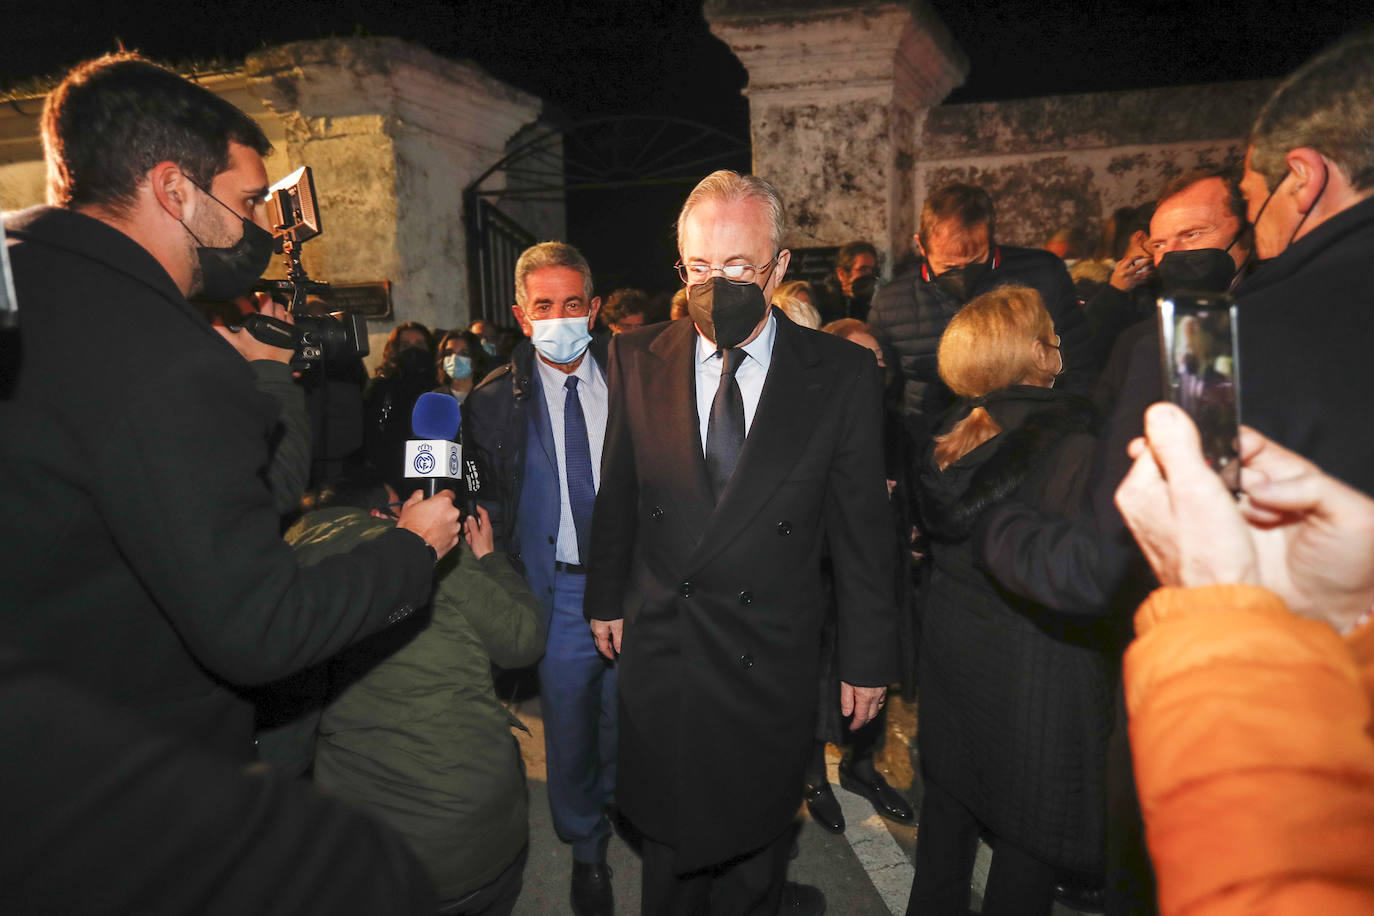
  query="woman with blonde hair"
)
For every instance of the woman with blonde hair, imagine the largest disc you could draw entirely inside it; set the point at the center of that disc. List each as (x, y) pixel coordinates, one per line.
(1015, 697)
(799, 310)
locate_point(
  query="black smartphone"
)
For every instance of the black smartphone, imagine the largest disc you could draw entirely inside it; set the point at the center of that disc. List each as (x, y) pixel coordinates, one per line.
(1201, 362)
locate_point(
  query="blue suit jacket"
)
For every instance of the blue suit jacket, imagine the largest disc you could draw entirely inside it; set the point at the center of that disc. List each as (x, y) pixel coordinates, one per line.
(506, 431)
(536, 519)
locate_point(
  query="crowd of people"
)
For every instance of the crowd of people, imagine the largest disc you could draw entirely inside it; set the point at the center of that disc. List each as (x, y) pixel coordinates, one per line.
(721, 539)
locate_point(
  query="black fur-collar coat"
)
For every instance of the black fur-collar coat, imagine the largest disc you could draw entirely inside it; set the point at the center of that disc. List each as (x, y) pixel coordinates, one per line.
(1015, 699)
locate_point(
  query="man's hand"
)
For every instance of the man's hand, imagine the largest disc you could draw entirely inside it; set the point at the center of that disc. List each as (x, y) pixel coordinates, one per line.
(477, 532)
(607, 636)
(1314, 535)
(1130, 272)
(863, 702)
(434, 519)
(249, 347)
(1297, 531)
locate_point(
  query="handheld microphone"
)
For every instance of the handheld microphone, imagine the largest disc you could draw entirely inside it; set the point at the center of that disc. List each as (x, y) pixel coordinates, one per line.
(433, 456)
(472, 484)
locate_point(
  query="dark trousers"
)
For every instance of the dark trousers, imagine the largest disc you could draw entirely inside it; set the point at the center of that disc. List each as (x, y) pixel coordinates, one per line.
(578, 698)
(946, 844)
(494, 899)
(748, 886)
(1130, 883)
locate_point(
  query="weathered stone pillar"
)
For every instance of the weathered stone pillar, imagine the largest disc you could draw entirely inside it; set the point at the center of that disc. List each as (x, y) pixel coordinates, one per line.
(836, 98)
(393, 134)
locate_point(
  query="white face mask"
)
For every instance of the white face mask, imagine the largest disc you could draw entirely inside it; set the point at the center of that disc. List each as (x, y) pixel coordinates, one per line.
(560, 340)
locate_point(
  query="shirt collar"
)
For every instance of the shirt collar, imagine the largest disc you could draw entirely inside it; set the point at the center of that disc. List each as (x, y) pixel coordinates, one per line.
(585, 373)
(760, 348)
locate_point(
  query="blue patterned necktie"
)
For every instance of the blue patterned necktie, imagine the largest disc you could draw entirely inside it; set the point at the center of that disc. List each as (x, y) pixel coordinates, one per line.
(577, 458)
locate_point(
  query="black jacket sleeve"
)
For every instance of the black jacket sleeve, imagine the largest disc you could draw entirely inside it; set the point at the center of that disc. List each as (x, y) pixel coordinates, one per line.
(288, 469)
(615, 519)
(102, 815)
(181, 492)
(858, 529)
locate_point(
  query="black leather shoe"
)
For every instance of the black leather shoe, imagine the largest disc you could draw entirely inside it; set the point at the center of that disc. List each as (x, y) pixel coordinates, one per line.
(591, 889)
(1079, 894)
(801, 900)
(886, 800)
(824, 808)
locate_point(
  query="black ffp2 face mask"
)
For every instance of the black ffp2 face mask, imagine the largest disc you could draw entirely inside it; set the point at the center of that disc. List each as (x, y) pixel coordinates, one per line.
(227, 273)
(959, 282)
(1204, 270)
(726, 312)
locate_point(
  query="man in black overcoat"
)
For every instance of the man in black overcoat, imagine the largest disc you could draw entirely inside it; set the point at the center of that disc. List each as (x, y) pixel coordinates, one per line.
(737, 444)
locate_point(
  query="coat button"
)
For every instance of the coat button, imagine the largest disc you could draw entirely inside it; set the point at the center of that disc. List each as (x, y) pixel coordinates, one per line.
(550, 539)
(685, 589)
(747, 660)
(656, 513)
(784, 528)
(746, 597)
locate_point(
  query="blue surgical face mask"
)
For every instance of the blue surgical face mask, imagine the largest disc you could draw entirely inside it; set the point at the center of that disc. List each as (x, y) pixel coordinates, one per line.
(560, 340)
(457, 367)
(489, 346)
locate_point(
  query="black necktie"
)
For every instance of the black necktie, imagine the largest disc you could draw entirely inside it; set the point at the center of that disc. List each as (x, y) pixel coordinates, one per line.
(725, 430)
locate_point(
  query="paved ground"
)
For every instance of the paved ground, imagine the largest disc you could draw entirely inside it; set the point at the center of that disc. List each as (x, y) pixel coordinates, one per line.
(865, 872)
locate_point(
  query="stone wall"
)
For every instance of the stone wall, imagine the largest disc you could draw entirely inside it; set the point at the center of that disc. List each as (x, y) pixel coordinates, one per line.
(1065, 161)
(393, 134)
(835, 94)
(845, 114)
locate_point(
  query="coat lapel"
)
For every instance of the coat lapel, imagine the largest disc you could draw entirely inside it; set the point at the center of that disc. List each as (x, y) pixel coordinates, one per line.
(782, 425)
(671, 396)
(539, 417)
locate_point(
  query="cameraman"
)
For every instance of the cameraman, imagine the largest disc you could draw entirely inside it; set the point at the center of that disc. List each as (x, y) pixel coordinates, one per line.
(141, 556)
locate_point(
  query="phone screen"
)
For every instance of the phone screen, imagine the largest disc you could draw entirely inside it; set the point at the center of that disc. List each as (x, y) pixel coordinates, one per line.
(1197, 335)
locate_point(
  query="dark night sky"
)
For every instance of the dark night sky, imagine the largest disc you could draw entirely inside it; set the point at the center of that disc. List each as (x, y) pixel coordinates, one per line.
(658, 56)
(600, 57)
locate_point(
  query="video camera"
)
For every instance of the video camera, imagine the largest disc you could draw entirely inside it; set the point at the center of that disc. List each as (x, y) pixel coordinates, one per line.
(337, 337)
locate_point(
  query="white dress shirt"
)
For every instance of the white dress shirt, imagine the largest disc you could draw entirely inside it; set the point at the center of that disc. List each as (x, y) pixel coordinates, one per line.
(591, 391)
(750, 375)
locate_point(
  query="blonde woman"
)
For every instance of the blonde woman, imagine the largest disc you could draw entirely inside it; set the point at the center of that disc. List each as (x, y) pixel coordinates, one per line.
(1015, 697)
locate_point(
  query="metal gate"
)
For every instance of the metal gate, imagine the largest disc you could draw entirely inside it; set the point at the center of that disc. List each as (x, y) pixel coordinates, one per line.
(601, 154)
(494, 245)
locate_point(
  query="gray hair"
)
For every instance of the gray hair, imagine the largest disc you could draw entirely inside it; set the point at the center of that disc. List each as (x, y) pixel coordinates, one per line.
(1326, 105)
(727, 186)
(550, 254)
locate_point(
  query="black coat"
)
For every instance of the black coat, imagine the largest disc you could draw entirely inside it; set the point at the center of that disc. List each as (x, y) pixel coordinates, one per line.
(1016, 700)
(141, 554)
(911, 313)
(723, 603)
(102, 814)
(1306, 327)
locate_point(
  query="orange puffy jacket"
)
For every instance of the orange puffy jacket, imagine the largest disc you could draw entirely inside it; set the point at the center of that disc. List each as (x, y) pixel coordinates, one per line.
(1250, 729)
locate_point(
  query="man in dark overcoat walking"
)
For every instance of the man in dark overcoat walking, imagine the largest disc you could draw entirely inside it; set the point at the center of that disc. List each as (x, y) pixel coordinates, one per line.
(737, 444)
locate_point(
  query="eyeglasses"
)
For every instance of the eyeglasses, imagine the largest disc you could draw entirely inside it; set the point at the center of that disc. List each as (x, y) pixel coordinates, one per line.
(741, 274)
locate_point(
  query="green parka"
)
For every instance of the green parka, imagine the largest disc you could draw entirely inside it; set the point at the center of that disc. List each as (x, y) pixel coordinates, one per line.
(414, 732)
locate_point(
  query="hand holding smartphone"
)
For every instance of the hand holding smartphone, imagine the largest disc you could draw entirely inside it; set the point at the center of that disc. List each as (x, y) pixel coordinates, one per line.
(1201, 362)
